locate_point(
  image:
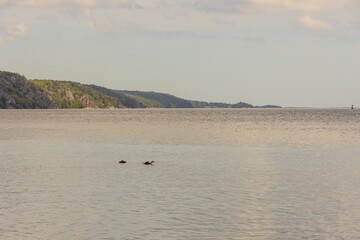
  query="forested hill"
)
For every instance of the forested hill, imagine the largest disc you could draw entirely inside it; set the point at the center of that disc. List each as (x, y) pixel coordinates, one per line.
(17, 92)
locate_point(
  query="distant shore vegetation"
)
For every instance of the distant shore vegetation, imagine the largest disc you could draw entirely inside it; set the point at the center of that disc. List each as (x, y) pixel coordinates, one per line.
(17, 92)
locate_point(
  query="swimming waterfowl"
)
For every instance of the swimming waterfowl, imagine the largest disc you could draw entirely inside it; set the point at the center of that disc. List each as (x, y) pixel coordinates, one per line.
(122, 161)
(148, 163)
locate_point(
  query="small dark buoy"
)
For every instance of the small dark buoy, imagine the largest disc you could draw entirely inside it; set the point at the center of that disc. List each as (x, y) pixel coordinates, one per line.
(148, 163)
(122, 161)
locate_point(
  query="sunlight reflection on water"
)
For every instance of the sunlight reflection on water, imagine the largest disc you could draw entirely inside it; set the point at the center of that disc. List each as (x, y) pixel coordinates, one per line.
(218, 174)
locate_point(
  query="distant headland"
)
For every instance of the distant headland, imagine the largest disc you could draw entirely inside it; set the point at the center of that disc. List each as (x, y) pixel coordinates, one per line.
(17, 92)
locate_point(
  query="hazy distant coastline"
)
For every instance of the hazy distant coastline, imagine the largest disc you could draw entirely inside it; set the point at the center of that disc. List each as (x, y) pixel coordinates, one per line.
(17, 92)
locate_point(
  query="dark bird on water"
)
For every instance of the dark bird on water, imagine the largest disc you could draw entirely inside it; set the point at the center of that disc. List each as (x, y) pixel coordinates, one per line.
(148, 163)
(122, 161)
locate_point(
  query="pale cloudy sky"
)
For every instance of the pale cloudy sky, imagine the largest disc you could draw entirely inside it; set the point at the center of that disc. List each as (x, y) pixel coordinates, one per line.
(286, 52)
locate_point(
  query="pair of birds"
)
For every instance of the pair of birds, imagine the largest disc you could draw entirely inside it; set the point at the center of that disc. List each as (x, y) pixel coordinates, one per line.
(145, 163)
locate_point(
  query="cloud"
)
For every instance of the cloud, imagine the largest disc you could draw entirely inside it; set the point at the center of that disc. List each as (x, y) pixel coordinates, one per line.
(215, 5)
(257, 5)
(86, 3)
(314, 24)
(65, 3)
(29, 3)
(175, 16)
(304, 5)
(12, 32)
(201, 5)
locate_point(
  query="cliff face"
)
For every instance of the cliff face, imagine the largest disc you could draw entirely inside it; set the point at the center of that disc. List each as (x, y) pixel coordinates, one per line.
(17, 92)
(66, 94)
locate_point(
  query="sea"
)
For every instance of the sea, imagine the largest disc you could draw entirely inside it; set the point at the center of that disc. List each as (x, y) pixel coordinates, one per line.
(257, 174)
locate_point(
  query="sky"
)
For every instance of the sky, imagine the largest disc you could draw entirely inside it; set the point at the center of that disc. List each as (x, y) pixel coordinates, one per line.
(285, 52)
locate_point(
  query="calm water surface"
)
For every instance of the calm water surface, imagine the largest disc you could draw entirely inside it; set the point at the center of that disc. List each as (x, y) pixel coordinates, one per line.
(219, 174)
